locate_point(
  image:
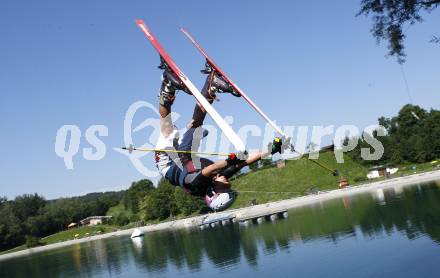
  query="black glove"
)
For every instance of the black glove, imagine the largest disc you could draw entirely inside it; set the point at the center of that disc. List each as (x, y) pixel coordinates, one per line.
(276, 145)
(232, 159)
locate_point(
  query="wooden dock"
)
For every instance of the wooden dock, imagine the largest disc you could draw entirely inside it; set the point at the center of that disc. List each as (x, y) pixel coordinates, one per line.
(259, 216)
(256, 216)
(217, 220)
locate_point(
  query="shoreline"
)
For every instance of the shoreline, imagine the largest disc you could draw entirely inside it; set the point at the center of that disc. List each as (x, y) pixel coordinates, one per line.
(242, 213)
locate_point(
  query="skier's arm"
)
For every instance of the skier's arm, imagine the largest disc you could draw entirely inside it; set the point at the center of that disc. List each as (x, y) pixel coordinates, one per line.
(274, 147)
(255, 157)
(235, 164)
(213, 169)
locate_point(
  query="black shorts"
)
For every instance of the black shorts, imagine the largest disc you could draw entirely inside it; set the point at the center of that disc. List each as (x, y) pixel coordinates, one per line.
(197, 184)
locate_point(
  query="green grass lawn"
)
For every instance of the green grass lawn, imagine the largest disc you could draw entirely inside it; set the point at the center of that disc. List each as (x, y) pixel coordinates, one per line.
(272, 184)
(81, 232)
(421, 167)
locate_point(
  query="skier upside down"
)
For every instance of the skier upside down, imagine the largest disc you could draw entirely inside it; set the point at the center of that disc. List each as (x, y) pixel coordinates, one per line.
(210, 179)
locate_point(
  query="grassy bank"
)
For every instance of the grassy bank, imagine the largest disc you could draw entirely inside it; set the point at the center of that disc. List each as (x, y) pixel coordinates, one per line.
(75, 233)
(295, 179)
(298, 177)
(79, 232)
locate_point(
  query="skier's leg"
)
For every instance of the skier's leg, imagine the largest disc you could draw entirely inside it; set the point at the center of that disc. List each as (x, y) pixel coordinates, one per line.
(213, 84)
(168, 135)
(166, 123)
(192, 137)
(199, 113)
(167, 94)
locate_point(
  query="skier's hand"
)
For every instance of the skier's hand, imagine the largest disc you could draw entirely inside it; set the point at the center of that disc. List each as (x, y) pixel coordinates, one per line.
(232, 159)
(276, 145)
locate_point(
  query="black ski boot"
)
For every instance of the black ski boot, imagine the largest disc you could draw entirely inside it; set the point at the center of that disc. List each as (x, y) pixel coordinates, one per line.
(215, 83)
(218, 84)
(167, 92)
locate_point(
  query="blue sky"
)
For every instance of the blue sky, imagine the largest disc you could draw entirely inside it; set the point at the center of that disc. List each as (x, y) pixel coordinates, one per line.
(86, 62)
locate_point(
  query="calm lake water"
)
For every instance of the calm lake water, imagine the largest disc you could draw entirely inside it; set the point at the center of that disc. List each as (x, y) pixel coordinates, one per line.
(389, 233)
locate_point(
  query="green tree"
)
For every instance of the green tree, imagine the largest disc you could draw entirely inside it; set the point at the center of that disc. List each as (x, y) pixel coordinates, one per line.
(121, 219)
(32, 215)
(159, 203)
(186, 203)
(137, 191)
(28, 205)
(432, 138)
(39, 225)
(390, 17)
(32, 241)
(3, 200)
(413, 136)
(11, 230)
(120, 215)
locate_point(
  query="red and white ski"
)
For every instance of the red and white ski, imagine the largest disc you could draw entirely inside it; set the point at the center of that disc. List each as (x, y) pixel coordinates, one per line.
(213, 65)
(231, 83)
(227, 130)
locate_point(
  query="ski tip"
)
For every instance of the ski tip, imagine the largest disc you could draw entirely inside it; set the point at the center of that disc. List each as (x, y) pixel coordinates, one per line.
(139, 22)
(183, 29)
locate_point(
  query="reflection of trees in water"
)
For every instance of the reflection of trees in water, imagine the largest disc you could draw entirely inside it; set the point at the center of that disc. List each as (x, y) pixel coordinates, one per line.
(33, 265)
(412, 212)
(154, 255)
(222, 245)
(177, 247)
(87, 259)
(99, 256)
(187, 248)
(176, 252)
(249, 246)
(415, 213)
(191, 242)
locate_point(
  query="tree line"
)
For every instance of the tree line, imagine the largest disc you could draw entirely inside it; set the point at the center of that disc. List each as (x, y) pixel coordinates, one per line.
(31, 216)
(413, 136)
(144, 202)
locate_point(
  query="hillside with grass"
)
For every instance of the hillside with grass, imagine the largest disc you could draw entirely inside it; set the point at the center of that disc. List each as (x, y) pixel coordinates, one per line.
(298, 177)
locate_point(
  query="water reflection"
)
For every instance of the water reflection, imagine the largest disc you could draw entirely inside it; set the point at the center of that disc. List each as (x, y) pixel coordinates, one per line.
(410, 211)
(138, 242)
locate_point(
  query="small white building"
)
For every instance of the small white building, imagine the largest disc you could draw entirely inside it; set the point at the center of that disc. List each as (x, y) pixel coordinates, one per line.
(94, 220)
(381, 171)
